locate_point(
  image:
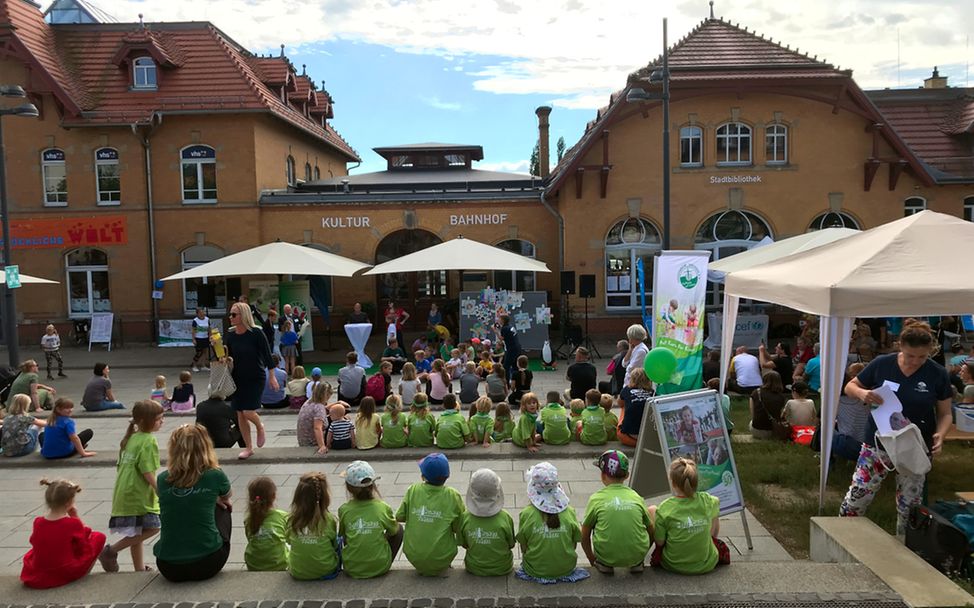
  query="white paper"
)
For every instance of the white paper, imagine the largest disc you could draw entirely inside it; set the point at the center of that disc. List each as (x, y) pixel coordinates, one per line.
(891, 405)
(625, 282)
(612, 283)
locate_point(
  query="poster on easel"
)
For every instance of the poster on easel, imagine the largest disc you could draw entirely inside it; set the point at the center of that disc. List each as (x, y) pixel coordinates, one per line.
(101, 329)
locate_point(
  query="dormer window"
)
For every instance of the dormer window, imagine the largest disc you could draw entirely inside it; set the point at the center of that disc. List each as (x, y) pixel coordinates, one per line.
(144, 73)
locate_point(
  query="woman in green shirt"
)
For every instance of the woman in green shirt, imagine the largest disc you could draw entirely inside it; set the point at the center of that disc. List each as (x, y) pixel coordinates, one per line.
(28, 383)
(194, 506)
(548, 531)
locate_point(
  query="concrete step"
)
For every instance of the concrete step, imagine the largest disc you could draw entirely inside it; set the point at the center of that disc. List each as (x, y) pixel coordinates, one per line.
(859, 540)
(745, 583)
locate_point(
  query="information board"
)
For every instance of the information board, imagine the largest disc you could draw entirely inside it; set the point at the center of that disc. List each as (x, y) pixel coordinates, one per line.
(101, 329)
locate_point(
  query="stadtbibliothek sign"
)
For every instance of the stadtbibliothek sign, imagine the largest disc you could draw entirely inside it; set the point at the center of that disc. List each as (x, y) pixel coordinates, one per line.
(736, 179)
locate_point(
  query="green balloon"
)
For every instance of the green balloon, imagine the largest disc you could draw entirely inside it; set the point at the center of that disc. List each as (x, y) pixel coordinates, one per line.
(660, 364)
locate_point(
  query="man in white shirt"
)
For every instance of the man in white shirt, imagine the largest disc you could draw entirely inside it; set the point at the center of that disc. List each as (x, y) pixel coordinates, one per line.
(351, 381)
(745, 373)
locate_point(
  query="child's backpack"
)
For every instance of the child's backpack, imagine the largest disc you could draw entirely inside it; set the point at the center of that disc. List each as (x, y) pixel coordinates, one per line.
(376, 387)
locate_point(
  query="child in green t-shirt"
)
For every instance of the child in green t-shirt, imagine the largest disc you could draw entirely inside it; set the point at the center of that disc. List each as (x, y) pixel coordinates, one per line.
(265, 527)
(555, 421)
(525, 432)
(431, 512)
(368, 525)
(313, 531)
(393, 424)
(575, 409)
(421, 424)
(452, 431)
(481, 424)
(611, 420)
(548, 530)
(618, 517)
(591, 427)
(486, 529)
(503, 423)
(685, 526)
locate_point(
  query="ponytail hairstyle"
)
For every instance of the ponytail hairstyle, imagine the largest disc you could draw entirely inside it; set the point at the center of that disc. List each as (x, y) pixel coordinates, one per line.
(261, 493)
(60, 493)
(309, 507)
(683, 476)
(503, 411)
(552, 520)
(143, 420)
(393, 405)
(366, 409)
(440, 368)
(917, 334)
(420, 401)
(61, 403)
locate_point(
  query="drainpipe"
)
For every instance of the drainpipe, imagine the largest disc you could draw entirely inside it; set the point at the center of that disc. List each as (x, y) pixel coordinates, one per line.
(143, 136)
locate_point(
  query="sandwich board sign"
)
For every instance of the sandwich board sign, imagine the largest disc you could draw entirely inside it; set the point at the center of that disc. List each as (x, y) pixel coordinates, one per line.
(101, 329)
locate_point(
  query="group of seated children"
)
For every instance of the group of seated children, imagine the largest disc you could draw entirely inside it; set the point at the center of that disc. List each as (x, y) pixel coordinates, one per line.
(21, 433)
(326, 426)
(182, 398)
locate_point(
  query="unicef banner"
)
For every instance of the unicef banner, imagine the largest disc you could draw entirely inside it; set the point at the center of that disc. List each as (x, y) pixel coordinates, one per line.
(679, 298)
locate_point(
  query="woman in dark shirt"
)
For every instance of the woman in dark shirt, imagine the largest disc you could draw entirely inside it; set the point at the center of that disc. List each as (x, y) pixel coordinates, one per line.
(632, 401)
(250, 355)
(766, 404)
(780, 361)
(512, 346)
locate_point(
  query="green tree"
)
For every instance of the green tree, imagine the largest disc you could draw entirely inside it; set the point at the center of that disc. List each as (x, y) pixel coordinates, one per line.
(560, 148)
(535, 162)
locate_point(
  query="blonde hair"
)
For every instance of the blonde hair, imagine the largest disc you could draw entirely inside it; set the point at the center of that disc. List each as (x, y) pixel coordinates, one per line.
(529, 397)
(144, 414)
(408, 371)
(19, 405)
(321, 393)
(309, 507)
(419, 399)
(639, 379)
(160, 382)
(483, 405)
(60, 493)
(366, 410)
(576, 405)
(606, 402)
(393, 405)
(261, 492)
(246, 316)
(50, 326)
(26, 365)
(297, 373)
(191, 454)
(683, 476)
(470, 367)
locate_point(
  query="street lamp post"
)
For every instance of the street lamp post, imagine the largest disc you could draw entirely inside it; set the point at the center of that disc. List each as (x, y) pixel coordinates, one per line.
(10, 303)
(640, 95)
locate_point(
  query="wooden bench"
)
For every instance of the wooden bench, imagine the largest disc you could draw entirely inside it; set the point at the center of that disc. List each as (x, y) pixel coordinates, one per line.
(968, 496)
(857, 539)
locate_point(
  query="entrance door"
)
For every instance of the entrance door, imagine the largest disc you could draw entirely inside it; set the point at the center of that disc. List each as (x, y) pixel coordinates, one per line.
(414, 291)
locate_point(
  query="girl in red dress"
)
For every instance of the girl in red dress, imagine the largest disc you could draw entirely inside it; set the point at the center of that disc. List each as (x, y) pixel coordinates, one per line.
(62, 548)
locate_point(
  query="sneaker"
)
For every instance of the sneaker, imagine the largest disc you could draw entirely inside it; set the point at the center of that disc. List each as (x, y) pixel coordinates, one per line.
(637, 569)
(196, 369)
(607, 570)
(50, 377)
(62, 375)
(108, 559)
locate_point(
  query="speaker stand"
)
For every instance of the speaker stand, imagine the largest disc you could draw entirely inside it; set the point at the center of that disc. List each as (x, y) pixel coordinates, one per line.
(567, 347)
(586, 340)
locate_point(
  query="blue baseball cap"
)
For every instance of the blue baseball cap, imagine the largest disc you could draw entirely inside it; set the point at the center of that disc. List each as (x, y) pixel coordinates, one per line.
(316, 372)
(435, 468)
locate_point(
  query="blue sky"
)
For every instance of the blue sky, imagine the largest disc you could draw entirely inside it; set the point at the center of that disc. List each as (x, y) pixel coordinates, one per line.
(473, 72)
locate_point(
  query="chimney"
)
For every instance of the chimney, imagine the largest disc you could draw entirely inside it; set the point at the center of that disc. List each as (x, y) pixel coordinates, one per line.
(543, 163)
(936, 81)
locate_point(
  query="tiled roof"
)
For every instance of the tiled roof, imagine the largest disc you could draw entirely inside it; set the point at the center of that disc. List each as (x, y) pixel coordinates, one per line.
(936, 123)
(211, 72)
(716, 51)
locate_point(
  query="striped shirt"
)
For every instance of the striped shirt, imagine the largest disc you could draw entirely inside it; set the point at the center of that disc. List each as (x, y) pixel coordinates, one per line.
(341, 430)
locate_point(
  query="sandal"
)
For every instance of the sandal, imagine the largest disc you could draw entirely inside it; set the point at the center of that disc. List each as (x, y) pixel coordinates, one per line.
(108, 559)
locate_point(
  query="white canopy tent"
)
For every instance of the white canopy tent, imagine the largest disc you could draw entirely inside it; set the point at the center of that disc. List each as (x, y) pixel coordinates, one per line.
(895, 270)
(460, 254)
(275, 258)
(26, 278)
(776, 250)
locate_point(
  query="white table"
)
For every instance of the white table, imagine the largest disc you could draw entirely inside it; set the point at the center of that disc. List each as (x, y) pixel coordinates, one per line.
(358, 334)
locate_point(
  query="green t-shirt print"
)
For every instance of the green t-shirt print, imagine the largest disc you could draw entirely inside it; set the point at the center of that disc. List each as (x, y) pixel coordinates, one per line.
(593, 426)
(619, 522)
(524, 429)
(489, 542)
(393, 433)
(554, 417)
(432, 517)
(188, 517)
(421, 430)
(481, 425)
(548, 552)
(365, 525)
(267, 549)
(133, 495)
(314, 553)
(683, 525)
(451, 430)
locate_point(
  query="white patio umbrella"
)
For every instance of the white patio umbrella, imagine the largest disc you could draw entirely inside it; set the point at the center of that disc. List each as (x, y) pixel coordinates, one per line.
(460, 254)
(275, 258)
(894, 270)
(26, 278)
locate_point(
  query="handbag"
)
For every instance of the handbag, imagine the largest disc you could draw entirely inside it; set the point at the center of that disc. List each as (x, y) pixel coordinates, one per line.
(906, 450)
(939, 542)
(221, 382)
(779, 428)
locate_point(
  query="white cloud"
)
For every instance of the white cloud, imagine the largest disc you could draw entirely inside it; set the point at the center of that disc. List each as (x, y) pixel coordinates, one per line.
(509, 166)
(577, 51)
(439, 104)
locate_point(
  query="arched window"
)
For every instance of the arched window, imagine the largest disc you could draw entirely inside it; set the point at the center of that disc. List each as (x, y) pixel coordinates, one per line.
(725, 234)
(776, 144)
(199, 174)
(691, 146)
(834, 219)
(317, 173)
(55, 175)
(734, 144)
(87, 282)
(969, 208)
(629, 241)
(191, 258)
(107, 176)
(517, 280)
(290, 171)
(914, 204)
(307, 172)
(144, 73)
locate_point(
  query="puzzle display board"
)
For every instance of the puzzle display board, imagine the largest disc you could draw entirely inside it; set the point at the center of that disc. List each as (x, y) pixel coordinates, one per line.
(529, 311)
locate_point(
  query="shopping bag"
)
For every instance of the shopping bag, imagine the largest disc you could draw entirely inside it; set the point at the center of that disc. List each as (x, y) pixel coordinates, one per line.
(221, 382)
